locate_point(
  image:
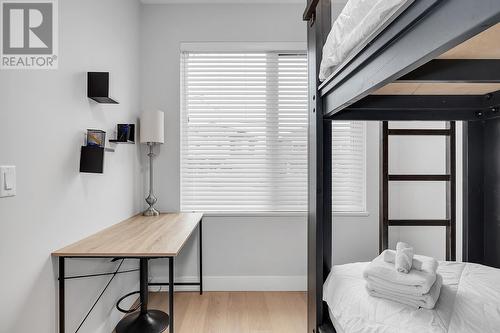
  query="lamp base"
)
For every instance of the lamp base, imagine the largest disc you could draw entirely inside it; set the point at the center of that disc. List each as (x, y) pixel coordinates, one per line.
(151, 211)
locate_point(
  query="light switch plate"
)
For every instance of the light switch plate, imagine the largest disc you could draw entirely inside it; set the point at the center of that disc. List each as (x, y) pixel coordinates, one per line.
(7, 181)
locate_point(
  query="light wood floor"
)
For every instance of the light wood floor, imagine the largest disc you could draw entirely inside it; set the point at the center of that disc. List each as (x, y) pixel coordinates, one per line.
(236, 312)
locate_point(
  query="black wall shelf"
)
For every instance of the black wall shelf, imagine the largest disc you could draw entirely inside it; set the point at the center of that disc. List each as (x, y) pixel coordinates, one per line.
(122, 142)
(98, 87)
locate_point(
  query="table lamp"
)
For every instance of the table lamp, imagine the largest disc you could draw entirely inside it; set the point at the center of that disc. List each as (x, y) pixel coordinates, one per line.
(152, 132)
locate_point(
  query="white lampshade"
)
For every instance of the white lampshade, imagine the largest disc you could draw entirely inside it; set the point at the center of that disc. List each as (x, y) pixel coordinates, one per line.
(152, 127)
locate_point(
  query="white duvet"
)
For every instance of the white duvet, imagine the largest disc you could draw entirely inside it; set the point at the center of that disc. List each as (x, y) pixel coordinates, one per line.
(355, 26)
(469, 303)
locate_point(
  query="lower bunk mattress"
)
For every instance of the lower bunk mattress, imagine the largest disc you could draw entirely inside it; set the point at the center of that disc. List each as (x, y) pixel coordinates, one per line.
(469, 302)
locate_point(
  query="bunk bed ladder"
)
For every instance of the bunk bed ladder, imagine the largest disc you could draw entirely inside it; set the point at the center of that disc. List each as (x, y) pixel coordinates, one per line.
(449, 177)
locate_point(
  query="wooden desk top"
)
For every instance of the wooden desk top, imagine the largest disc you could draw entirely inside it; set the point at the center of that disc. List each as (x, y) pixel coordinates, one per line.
(139, 236)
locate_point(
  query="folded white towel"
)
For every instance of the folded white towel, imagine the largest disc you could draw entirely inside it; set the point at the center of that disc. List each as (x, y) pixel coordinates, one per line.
(426, 301)
(417, 282)
(404, 257)
(400, 288)
(419, 262)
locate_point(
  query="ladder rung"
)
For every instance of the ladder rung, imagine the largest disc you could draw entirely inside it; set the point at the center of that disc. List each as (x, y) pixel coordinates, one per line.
(418, 132)
(419, 177)
(419, 223)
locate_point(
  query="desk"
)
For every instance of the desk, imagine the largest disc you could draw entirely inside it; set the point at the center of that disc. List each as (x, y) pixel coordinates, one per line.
(140, 238)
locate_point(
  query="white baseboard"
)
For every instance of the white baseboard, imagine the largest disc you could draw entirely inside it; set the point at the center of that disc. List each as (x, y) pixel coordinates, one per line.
(241, 283)
(255, 283)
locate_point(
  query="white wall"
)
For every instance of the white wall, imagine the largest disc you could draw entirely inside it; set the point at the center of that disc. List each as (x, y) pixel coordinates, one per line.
(43, 115)
(46, 112)
(355, 238)
(422, 200)
(241, 252)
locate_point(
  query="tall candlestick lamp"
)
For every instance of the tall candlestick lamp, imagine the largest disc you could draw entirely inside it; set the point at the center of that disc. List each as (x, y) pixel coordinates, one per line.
(152, 133)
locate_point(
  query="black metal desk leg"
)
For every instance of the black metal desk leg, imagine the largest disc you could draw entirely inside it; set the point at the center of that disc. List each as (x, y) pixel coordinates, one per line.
(144, 290)
(171, 283)
(201, 257)
(61, 295)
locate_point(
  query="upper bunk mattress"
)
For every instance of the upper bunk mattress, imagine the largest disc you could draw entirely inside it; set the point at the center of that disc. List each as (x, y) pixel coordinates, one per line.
(469, 302)
(358, 23)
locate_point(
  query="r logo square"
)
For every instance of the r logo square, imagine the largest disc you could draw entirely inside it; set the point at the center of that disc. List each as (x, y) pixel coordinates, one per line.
(29, 34)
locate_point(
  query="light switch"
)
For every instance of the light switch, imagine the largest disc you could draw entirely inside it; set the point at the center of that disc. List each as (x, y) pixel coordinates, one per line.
(7, 181)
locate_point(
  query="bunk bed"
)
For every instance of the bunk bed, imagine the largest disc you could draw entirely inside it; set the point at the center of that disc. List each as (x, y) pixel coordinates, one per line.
(426, 60)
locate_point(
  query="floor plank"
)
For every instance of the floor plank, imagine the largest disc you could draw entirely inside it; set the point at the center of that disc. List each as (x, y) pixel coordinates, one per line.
(242, 312)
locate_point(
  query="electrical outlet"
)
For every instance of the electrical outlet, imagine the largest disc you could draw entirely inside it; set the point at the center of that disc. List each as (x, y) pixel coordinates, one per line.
(7, 181)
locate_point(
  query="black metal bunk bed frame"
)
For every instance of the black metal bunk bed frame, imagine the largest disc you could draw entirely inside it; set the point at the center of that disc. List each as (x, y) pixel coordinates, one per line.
(405, 50)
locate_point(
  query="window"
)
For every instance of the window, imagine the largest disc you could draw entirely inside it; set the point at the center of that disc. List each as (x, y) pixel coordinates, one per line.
(349, 166)
(244, 135)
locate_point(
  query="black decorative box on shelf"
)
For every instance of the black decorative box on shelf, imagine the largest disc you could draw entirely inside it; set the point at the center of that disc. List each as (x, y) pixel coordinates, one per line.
(92, 159)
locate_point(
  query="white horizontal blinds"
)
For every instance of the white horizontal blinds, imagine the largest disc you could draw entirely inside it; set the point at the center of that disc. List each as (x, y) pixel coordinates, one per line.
(244, 132)
(244, 136)
(349, 166)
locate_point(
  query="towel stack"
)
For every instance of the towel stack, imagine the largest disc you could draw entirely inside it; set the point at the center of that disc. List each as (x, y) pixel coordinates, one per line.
(403, 277)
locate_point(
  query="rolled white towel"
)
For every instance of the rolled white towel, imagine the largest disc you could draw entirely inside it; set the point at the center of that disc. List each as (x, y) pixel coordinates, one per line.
(419, 262)
(417, 282)
(426, 301)
(404, 257)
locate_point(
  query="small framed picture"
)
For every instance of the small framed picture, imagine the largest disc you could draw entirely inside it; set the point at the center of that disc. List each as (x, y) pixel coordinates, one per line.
(96, 138)
(126, 133)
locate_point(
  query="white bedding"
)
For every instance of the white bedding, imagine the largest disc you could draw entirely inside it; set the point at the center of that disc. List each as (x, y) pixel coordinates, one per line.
(359, 21)
(469, 302)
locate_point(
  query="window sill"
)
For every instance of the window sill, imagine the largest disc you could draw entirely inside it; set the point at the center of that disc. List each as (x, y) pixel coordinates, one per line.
(278, 214)
(352, 214)
(254, 214)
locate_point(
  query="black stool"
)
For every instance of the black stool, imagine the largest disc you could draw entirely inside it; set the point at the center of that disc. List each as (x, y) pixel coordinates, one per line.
(143, 321)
